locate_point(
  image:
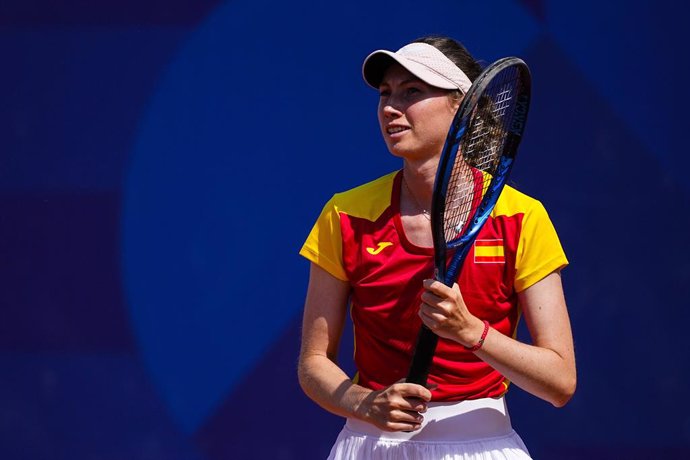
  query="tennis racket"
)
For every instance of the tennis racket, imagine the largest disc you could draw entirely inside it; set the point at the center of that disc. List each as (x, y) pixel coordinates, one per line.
(475, 162)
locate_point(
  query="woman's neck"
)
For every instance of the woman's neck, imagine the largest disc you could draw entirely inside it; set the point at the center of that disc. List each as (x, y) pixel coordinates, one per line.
(416, 191)
(419, 178)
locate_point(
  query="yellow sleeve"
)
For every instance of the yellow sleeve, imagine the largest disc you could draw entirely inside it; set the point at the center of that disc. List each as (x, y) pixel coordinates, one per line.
(539, 250)
(324, 243)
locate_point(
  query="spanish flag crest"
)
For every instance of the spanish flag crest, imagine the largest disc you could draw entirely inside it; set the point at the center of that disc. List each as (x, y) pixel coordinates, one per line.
(489, 252)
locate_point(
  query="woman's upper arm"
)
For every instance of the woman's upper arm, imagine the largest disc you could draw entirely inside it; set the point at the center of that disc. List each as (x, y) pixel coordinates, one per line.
(543, 305)
(324, 313)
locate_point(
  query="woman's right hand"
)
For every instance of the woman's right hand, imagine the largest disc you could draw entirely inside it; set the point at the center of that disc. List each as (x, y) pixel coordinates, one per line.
(396, 408)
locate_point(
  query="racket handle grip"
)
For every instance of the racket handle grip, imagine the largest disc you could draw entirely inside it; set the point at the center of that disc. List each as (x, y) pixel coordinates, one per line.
(422, 357)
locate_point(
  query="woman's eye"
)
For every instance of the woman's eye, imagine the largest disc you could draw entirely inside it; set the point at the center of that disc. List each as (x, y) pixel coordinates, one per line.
(384, 93)
(412, 91)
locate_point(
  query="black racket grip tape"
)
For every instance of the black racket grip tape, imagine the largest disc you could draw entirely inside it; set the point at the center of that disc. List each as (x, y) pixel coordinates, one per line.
(423, 356)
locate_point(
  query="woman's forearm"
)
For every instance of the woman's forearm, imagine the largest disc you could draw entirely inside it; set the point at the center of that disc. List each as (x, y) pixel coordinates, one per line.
(326, 384)
(547, 367)
(539, 371)
(398, 407)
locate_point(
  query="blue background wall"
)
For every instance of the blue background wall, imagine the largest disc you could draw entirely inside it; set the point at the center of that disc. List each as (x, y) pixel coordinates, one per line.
(150, 287)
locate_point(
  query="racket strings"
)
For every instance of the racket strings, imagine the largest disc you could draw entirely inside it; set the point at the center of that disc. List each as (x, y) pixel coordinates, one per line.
(459, 200)
(480, 151)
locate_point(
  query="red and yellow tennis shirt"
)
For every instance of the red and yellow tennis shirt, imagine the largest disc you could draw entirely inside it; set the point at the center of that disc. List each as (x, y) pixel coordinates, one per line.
(359, 238)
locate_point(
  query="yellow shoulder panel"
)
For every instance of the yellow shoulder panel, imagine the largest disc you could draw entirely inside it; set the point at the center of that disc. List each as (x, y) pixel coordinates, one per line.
(367, 201)
(512, 202)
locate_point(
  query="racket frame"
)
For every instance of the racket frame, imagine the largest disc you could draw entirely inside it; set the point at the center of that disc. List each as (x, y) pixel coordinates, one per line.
(448, 272)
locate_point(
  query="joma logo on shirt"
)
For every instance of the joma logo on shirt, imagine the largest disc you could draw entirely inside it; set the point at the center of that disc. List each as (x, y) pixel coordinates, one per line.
(381, 246)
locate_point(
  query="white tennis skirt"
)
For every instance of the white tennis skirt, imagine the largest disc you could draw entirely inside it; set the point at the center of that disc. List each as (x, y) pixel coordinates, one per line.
(469, 430)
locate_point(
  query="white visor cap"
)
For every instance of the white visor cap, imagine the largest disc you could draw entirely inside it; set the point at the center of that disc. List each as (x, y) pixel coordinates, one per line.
(423, 61)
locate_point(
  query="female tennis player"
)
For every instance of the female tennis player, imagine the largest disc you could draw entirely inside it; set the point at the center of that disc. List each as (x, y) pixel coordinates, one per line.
(371, 248)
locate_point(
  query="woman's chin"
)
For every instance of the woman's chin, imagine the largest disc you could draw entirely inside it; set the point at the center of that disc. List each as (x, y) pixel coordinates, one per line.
(401, 151)
(410, 154)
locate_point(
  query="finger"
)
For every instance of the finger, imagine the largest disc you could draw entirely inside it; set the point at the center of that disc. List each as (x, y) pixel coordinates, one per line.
(428, 321)
(437, 302)
(413, 390)
(439, 310)
(407, 427)
(401, 420)
(405, 421)
(431, 298)
(417, 405)
(441, 290)
(436, 287)
(432, 318)
(409, 396)
(409, 417)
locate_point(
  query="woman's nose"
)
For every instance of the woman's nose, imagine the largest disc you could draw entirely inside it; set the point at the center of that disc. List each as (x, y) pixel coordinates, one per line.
(391, 110)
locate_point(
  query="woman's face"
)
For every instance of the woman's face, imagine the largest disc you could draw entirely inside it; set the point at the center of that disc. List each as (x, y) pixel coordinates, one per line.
(414, 117)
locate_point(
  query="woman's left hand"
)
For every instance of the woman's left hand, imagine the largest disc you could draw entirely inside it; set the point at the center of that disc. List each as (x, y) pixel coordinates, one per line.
(443, 310)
